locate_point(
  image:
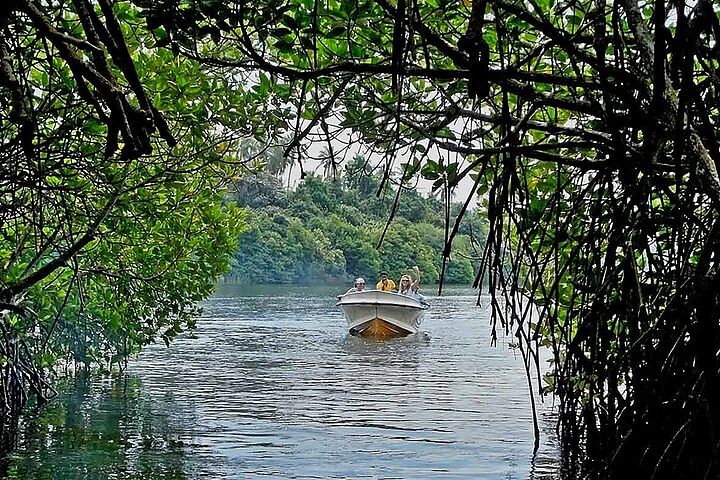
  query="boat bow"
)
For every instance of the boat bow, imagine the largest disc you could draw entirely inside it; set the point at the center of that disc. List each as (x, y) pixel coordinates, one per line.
(381, 314)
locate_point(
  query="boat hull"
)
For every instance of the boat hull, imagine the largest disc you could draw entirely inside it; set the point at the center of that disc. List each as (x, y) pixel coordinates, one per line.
(376, 313)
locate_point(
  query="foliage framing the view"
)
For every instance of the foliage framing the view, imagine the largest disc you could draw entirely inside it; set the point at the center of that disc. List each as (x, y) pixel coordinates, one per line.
(591, 129)
(111, 220)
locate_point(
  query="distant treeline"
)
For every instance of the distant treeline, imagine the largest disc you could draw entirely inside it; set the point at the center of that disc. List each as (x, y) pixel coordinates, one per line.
(326, 230)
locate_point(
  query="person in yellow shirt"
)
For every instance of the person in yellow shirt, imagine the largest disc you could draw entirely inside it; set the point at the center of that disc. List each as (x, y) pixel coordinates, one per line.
(385, 284)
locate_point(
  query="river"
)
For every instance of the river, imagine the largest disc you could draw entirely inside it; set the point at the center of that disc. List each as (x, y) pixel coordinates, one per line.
(271, 386)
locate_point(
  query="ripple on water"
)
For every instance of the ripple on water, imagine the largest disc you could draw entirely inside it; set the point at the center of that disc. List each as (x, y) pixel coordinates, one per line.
(272, 386)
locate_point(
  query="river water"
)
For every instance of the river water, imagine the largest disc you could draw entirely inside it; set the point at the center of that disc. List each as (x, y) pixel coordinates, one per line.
(272, 386)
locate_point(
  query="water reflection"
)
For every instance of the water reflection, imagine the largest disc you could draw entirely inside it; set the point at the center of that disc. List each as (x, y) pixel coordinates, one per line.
(390, 353)
(104, 428)
(274, 387)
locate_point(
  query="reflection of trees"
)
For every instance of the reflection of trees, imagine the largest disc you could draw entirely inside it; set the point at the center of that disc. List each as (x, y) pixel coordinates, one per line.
(99, 429)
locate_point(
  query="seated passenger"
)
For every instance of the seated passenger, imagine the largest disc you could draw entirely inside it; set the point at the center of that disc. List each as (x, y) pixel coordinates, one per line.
(385, 284)
(359, 286)
(410, 287)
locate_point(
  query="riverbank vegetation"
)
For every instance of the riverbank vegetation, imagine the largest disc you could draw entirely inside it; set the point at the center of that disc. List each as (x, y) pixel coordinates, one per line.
(111, 220)
(327, 230)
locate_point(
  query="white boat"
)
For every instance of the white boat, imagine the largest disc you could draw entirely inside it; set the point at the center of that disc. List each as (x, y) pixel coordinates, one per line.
(376, 313)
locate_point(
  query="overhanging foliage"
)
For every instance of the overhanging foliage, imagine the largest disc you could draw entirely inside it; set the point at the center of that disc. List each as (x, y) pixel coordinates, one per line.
(111, 225)
(590, 128)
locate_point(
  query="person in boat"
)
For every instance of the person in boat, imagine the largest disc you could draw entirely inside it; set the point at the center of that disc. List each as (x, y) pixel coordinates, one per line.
(410, 287)
(358, 286)
(385, 284)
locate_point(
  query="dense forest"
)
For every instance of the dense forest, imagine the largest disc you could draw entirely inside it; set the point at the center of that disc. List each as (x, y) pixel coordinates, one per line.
(328, 230)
